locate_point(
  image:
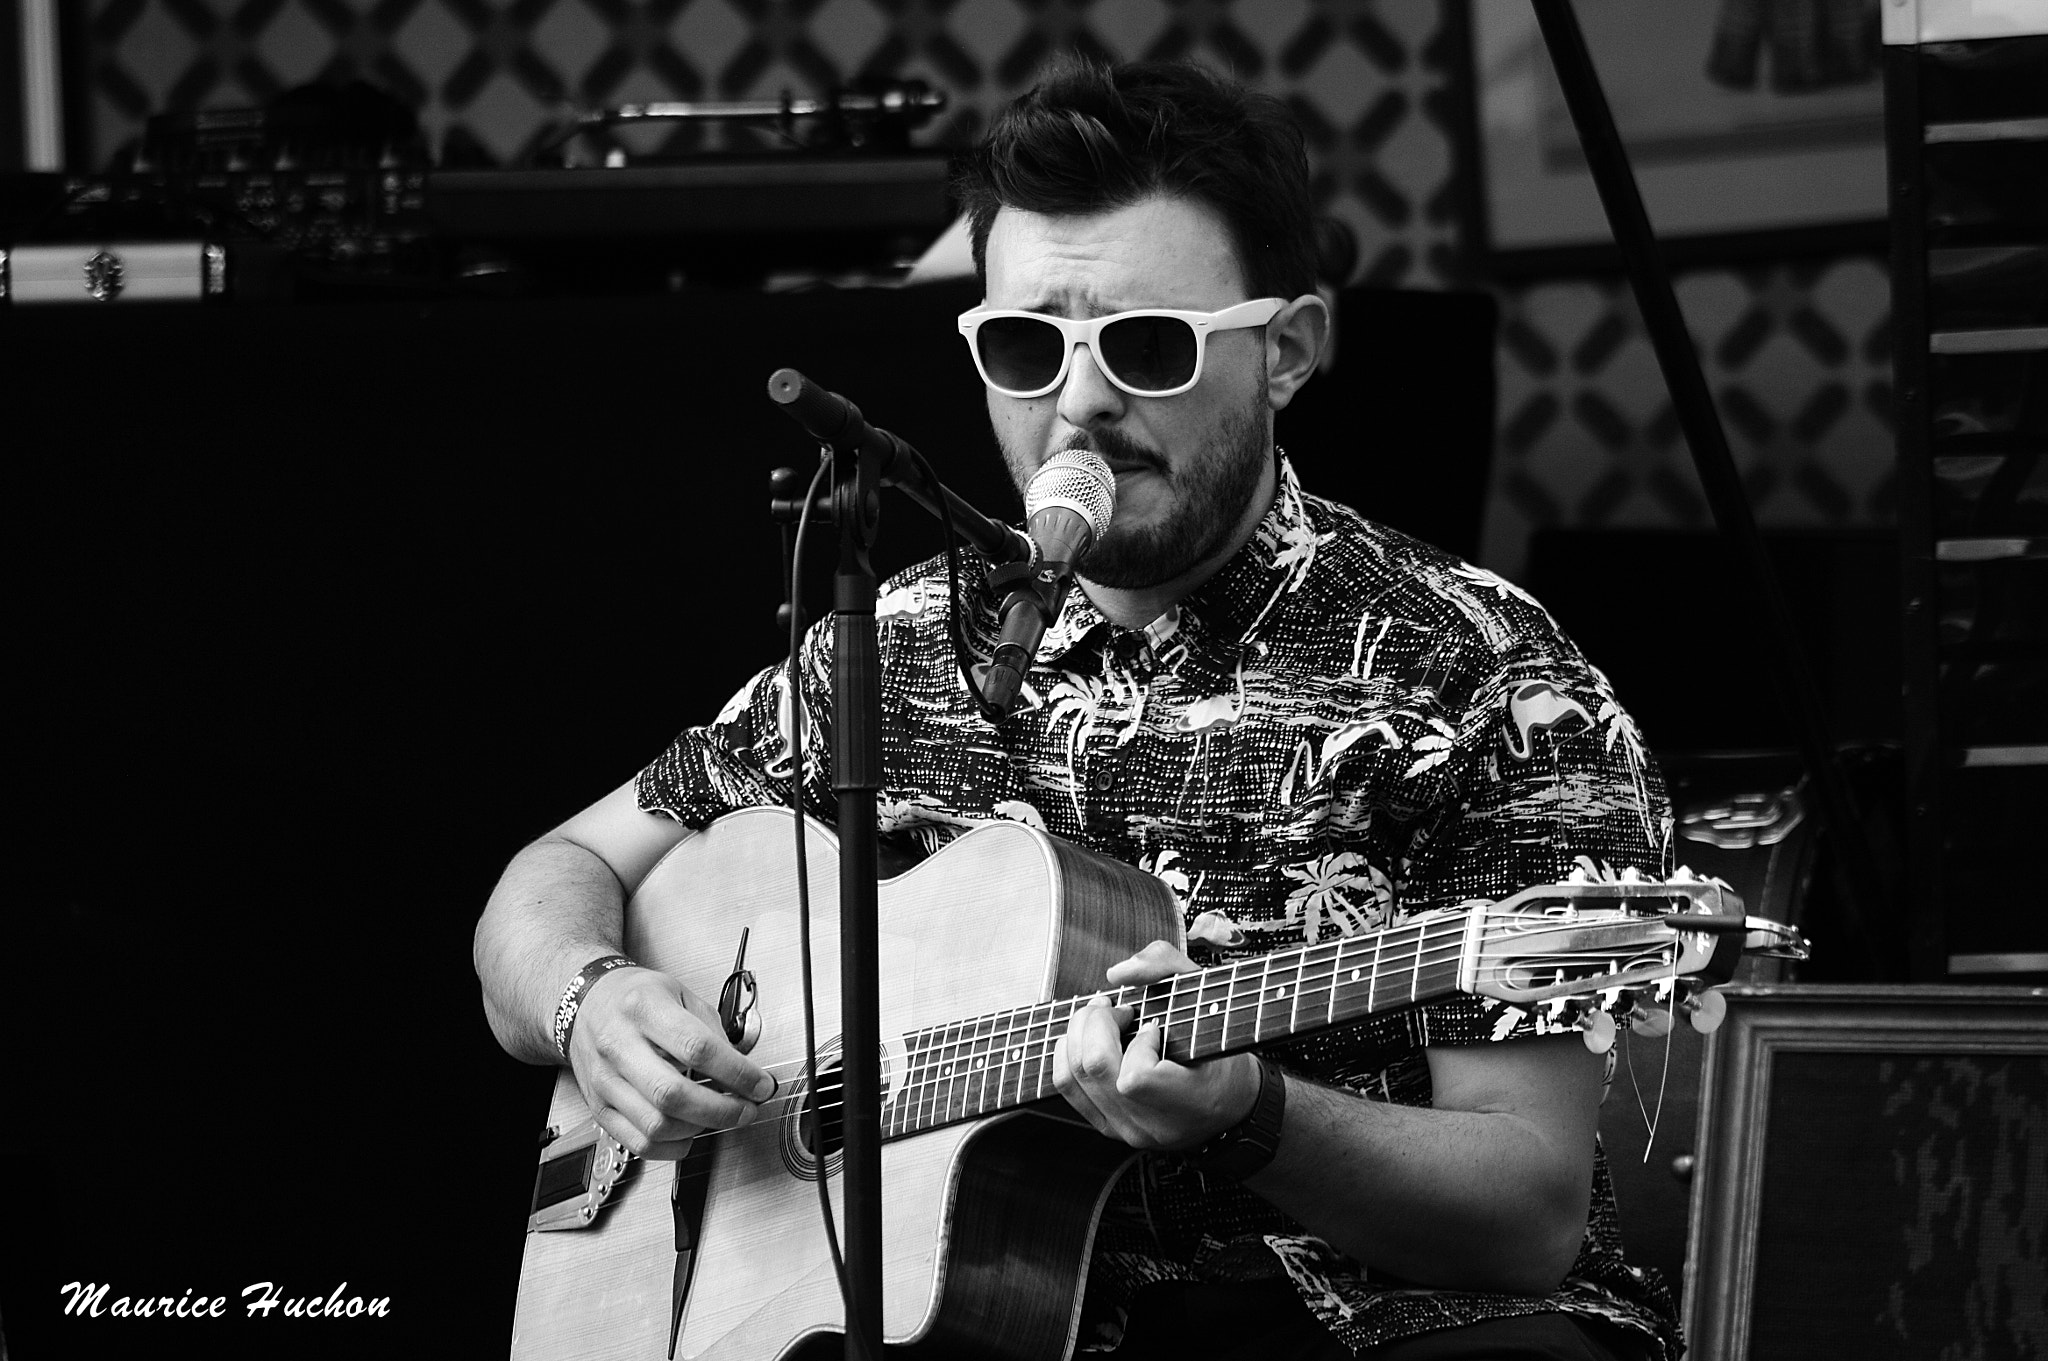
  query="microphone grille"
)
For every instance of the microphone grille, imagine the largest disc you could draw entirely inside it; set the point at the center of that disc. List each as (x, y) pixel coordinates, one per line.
(1079, 480)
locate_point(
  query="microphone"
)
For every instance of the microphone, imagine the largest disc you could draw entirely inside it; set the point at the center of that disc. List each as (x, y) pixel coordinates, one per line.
(833, 420)
(1068, 504)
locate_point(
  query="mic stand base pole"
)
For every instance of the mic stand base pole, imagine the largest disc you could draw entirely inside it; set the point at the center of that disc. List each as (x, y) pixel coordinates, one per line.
(856, 780)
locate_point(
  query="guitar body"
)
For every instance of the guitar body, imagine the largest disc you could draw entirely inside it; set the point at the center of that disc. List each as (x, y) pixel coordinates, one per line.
(986, 1225)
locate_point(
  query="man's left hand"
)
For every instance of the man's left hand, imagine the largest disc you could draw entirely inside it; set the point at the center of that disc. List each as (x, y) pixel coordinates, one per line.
(1130, 1093)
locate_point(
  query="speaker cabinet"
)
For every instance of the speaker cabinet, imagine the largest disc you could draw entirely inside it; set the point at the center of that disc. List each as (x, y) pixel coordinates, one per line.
(1873, 1175)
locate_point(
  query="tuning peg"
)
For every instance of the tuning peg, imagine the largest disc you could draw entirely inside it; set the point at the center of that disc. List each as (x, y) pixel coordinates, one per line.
(1705, 1010)
(1597, 1029)
(1653, 1021)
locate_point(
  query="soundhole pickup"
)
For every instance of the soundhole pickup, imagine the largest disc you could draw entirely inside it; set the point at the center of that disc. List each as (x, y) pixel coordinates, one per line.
(577, 1174)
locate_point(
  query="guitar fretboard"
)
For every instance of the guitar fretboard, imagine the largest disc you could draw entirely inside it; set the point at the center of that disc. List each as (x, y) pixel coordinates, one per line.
(986, 1064)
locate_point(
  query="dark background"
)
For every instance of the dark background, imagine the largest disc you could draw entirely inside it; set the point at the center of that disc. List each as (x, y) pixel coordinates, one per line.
(324, 610)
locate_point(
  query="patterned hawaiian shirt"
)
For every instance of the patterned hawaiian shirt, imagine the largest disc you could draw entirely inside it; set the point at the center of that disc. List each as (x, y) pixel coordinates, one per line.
(1340, 730)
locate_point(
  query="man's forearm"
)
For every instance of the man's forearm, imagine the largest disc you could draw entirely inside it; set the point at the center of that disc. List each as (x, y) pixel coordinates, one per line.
(556, 907)
(1460, 1199)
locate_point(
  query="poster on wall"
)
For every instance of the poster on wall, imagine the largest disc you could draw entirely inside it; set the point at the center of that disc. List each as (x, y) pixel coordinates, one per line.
(1745, 122)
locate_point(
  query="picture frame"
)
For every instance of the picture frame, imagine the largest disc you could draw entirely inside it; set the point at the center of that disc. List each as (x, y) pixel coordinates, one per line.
(1745, 142)
(1864, 1176)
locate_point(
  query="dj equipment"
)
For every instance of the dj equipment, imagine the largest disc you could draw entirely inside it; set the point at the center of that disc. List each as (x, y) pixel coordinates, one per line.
(284, 230)
(330, 187)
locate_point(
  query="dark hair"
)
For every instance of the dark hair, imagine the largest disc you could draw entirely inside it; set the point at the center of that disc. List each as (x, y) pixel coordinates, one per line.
(1090, 138)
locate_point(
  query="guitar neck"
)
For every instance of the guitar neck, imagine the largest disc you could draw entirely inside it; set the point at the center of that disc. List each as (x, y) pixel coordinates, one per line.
(992, 1063)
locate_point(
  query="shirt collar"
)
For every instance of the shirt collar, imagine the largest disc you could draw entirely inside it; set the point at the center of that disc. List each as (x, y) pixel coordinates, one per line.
(1231, 604)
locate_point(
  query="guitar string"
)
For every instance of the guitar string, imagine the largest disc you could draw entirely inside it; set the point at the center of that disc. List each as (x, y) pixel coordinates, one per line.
(782, 1104)
(957, 1095)
(937, 1078)
(779, 1106)
(942, 1048)
(965, 1039)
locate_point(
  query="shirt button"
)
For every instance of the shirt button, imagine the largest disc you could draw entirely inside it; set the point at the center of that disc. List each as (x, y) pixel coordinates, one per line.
(1102, 777)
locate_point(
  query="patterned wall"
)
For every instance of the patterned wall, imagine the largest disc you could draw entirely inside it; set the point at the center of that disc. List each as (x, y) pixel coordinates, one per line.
(1797, 353)
(1798, 357)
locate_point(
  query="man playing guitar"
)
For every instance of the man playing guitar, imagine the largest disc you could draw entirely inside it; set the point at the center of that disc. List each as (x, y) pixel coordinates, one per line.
(1305, 724)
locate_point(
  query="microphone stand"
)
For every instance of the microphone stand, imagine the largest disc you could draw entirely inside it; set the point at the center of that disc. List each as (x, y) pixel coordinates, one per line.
(864, 460)
(856, 781)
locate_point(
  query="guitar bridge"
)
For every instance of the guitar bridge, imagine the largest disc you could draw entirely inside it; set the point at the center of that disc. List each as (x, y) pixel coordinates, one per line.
(577, 1174)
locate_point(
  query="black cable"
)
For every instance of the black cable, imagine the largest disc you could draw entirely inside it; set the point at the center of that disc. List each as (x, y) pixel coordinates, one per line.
(794, 555)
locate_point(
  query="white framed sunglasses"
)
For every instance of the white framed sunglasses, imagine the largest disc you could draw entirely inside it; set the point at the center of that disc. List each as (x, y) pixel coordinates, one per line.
(1150, 352)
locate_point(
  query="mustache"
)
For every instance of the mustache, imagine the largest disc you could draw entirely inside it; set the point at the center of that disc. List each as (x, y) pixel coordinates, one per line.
(1114, 445)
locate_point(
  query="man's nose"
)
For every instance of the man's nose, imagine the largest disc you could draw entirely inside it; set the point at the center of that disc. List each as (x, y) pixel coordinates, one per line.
(1088, 397)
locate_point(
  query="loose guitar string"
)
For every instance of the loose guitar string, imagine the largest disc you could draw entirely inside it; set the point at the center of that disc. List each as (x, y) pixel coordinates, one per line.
(1650, 1120)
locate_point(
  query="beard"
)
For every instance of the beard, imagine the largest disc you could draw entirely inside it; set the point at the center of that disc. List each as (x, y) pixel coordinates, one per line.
(1210, 494)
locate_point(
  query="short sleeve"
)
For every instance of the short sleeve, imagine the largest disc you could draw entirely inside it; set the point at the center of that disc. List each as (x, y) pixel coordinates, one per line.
(1554, 784)
(744, 757)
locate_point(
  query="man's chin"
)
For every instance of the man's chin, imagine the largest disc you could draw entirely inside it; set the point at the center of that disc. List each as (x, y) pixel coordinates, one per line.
(1132, 559)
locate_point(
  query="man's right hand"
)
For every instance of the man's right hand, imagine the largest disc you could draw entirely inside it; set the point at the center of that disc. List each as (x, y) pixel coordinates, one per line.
(654, 1065)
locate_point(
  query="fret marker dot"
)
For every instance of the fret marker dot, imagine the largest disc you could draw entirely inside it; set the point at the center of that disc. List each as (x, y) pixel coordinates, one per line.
(1016, 1054)
(1215, 1007)
(1355, 973)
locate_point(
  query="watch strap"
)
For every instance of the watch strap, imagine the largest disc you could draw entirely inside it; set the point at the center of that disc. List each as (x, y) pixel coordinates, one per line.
(1250, 1144)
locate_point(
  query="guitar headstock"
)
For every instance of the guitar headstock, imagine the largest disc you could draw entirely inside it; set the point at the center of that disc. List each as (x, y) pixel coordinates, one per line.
(1586, 941)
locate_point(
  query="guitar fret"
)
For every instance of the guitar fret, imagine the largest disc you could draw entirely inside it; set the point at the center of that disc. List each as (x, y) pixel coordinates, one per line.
(1441, 967)
(1241, 1023)
(911, 1101)
(1372, 989)
(1275, 1007)
(1415, 978)
(1171, 1041)
(928, 1088)
(1212, 1001)
(1056, 1014)
(948, 1089)
(892, 1101)
(1009, 1058)
(1054, 1017)
(1316, 992)
(1149, 1004)
(978, 1053)
(1294, 1002)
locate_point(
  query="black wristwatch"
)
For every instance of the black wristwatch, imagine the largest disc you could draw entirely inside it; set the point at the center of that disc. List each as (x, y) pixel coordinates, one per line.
(1250, 1144)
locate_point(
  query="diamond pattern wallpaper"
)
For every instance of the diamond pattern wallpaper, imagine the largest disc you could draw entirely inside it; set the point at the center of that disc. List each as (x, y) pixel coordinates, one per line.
(1797, 354)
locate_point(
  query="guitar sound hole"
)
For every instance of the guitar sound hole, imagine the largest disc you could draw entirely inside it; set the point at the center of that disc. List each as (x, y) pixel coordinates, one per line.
(824, 1120)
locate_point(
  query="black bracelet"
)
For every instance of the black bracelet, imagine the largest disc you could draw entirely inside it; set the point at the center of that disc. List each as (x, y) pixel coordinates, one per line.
(572, 996)
(1250, 1144)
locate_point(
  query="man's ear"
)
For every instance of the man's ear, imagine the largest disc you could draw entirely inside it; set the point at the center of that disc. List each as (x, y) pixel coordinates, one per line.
(1294, 340)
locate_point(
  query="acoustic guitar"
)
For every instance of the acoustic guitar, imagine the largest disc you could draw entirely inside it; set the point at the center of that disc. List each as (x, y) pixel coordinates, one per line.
(991, 1188)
